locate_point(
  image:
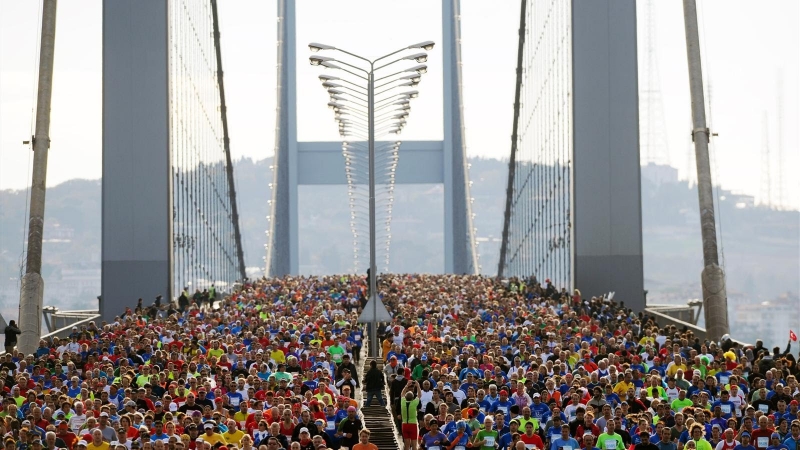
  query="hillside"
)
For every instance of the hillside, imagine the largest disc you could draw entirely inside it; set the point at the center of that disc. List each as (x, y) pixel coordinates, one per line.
(760, 246)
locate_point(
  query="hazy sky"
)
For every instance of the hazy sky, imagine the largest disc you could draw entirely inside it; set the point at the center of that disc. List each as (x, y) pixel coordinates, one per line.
(746, 45)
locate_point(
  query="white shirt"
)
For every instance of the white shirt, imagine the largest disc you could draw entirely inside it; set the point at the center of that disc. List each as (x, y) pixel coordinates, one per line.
(738, 400)
(76, 422)
(425, 398)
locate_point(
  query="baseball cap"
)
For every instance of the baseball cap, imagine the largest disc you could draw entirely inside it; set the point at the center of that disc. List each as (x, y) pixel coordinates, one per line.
(82, 442)
(304, 430)
(775, 436)
(351, 408)
(745, 434)
(208, 425)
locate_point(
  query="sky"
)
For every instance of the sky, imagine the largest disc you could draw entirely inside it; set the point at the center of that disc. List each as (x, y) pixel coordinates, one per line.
(746, 45)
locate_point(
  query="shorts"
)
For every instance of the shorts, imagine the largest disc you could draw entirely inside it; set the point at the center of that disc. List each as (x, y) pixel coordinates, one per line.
(410, 431)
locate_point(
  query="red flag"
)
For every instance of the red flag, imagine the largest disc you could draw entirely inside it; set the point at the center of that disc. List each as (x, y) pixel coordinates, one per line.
(430, 329)
(792, 336)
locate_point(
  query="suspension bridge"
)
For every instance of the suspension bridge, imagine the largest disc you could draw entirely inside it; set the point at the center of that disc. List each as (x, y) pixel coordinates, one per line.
(169, 218)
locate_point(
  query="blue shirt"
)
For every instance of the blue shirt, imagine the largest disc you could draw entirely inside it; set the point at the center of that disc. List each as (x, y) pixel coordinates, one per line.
(453, 438)
(727, 408)
(540, 411)
(791, 442)
(569, 442)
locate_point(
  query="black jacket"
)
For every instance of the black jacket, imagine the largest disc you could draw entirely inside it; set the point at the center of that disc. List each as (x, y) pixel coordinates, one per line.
(11, 335)
(373, 379)
(352, 427)
(349, 366)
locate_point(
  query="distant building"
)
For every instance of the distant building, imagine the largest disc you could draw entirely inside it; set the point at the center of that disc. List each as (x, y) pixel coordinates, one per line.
(740, 201)
(769, 320)
(74, 284)
(55, 232)
(659, 174)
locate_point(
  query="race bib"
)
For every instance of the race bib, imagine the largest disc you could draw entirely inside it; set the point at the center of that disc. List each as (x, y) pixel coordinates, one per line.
(566, 447)
(503, 409)
(763, 442)
(726, 409)
(489, 441)
(331, 425)
(530, 446)
(611, 444)
(434, 447)
(763, 408)
(459, 447)
(723, 379)
(357, 338)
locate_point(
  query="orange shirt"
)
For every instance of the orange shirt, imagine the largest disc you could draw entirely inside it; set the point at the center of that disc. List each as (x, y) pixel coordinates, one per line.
(361, 446)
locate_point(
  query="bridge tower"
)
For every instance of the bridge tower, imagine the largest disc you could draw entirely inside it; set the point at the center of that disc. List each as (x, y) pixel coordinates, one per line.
(309, 163)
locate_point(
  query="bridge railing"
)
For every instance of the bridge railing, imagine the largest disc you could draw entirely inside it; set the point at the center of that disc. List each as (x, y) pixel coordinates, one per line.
(665, 319)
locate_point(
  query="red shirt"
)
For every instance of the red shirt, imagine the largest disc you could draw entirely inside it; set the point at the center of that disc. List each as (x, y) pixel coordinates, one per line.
(532, 439)
(763, 433)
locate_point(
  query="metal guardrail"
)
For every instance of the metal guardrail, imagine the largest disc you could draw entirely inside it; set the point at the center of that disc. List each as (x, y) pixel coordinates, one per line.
(66, 330)
(665, 319)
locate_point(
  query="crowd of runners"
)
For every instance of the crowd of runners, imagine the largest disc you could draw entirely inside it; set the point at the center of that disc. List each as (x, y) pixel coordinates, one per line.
(467, 362)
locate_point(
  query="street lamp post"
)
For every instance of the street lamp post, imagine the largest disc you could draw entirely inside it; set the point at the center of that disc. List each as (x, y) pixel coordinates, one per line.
(338, 94)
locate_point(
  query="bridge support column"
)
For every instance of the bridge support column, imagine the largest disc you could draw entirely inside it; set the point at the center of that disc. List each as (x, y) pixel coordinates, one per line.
(607, 207)
(137, 180)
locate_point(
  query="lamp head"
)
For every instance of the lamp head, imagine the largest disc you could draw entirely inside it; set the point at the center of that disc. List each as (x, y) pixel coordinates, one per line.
(329, 65)
(317, 60)
(418, 57)
(425, 45)
(413, 78)
(315, 47)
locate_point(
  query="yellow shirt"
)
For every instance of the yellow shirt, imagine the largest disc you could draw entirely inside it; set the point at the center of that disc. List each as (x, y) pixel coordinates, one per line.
(240, 418)
(278, 356)
(102, 446)
(233, 438)
(673, 369)
(213, 439)
(622, 387)
(216, 352)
